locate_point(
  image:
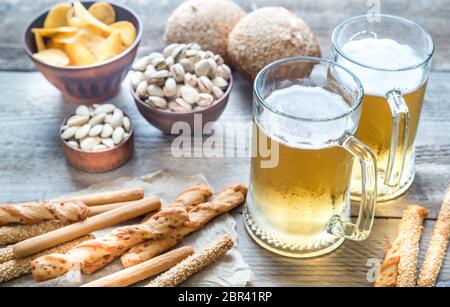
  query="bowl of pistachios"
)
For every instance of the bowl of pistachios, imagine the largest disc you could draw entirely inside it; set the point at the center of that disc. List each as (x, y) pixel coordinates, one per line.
(181, 87)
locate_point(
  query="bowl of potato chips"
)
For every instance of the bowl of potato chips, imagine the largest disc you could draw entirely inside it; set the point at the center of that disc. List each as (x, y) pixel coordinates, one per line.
(85, 49)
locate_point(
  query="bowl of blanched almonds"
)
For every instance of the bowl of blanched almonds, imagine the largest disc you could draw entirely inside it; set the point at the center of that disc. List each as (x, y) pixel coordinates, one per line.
(179, 84)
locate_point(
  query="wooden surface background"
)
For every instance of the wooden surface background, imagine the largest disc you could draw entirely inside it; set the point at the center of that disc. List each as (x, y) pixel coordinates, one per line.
(32, 165)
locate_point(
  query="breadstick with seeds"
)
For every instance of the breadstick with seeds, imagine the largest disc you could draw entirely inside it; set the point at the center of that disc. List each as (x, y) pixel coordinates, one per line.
(229, 198)
(438, 246)
(17, 233)
(35, 212)
(399, 266)
(193, 264)
(106, 197)
(73, 231)
(144, 270)
(93, 255)
(18, 267)
(412, 227)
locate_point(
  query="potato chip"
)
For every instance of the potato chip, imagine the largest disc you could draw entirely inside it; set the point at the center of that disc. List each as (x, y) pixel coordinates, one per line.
(103, 11)
(52, 31)
(57, 16)
(79, 55)
(126, 30)
(40, 44)
(53, 57)
(83, 14)
(52, 44)
(112, 45)
(65, 38)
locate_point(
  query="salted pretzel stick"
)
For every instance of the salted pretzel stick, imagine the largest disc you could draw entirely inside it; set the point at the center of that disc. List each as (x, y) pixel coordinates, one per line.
(35, 212)
(106, 197)
(18, 267)
(34, 245)
(96, 254)
(399, 266)
(193, 264)
(143, 270)
(229, 198)
(438, 246)
(17, 233)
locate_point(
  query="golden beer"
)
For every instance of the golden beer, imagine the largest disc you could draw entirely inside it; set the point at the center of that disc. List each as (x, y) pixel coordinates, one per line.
(295, 200)
(375, 131)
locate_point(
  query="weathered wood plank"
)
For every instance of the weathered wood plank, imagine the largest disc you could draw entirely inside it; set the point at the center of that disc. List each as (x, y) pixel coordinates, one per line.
(33, 165)
(322, 16)
(347, 266)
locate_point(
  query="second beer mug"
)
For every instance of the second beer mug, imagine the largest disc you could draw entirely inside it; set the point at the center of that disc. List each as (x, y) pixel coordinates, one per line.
(306, 111)
(392, 57)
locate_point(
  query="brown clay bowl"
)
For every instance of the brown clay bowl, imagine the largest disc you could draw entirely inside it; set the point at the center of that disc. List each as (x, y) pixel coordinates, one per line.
(99, 162)
(164, 120)
(87, 84)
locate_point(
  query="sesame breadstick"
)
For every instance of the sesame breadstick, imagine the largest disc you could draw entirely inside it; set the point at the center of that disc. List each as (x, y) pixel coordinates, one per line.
(438, 246)
(18, 267)
(6, 254)
(17, 233)
(411, 228)
(193, 264)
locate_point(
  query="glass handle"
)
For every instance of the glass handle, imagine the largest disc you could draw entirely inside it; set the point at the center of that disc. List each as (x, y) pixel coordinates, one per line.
(399, 138)
(360, 230)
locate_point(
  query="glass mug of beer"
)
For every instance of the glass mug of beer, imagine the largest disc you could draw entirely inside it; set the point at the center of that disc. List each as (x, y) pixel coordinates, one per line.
(391, 56)
(306, 111)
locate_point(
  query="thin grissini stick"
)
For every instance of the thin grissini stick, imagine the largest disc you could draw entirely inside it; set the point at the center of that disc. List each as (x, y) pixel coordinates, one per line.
(18, 267)
(189, 198)
(229, 198)
(93, 255)
(104, 198)
(411, 226)
(438, 246)
(45, 241)
(17, 233)
(144, 270)
(399, 266)
(35, 212)
(193, 264)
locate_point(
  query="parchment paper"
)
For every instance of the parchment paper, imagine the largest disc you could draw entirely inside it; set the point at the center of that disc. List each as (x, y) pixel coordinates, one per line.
(229, 271)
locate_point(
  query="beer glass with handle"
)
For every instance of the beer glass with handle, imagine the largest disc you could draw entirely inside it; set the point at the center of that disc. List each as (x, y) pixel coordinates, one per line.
(392, 58)
(306, 111)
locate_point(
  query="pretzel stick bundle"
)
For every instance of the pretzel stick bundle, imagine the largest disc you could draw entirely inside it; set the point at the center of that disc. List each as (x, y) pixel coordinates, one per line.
(106, 197)
(438, 246)
(18, 267)
(76, 230)
(194, 263)
(144, 270)
(400, 261)
(229, 198)
(35, 212)
(96, 254)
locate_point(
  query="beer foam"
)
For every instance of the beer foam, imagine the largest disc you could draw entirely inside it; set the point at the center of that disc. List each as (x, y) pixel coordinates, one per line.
(314, 103)
(385, 54)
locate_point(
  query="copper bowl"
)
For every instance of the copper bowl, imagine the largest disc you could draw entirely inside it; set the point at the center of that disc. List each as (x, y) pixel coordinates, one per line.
(164, 120)
(93, 83)
(102, 161)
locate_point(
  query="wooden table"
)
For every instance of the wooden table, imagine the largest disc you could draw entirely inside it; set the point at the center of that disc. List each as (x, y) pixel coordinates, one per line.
(32, 165)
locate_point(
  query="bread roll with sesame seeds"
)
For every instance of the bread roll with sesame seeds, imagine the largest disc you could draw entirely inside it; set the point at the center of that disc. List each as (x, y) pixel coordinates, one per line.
(205, 22)
(266, 35)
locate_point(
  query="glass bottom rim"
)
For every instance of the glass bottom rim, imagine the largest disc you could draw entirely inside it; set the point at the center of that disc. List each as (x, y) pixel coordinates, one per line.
(390, 194)
(285, 253)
